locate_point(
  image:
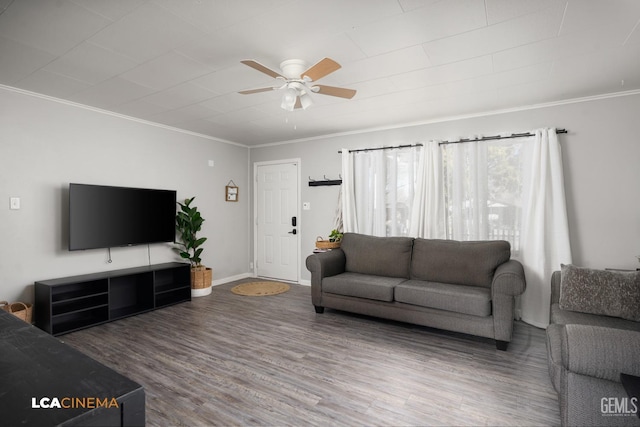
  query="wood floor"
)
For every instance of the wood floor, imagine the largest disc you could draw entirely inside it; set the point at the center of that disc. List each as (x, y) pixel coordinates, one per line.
(229, 360)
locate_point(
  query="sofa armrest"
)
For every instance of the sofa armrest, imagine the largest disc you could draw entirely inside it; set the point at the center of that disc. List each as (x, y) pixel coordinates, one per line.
(324, 264)
(509, 279)
(600, 352)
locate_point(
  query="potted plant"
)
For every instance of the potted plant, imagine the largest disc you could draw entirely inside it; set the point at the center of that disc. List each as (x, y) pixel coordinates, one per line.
(188, 224)
(333, 243)
(335, 236)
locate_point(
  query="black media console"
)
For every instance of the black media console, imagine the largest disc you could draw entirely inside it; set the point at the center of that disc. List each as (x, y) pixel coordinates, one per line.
(71, 303)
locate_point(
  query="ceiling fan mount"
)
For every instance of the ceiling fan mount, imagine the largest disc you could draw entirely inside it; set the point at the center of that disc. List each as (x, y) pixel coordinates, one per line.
(293, 68)
(299, 81)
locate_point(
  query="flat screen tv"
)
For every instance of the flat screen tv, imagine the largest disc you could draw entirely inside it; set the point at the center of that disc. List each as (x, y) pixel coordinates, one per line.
(106, 217)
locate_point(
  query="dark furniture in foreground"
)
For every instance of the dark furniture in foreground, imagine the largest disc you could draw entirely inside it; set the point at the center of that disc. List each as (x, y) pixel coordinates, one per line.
(37, 368)
(588, 352)
(631, 385)
(466, 287)
(71, 303)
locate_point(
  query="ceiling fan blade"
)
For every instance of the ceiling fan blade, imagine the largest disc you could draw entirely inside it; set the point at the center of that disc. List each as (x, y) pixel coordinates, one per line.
(262, 89)
(258, 66)
(334, 91)
(320, 69)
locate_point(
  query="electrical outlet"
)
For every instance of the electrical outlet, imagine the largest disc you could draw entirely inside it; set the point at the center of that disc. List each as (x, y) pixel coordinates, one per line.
(15, 203)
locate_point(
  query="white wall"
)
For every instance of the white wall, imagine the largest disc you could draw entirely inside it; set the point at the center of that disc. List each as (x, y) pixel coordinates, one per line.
(601, 159)
(45, 145)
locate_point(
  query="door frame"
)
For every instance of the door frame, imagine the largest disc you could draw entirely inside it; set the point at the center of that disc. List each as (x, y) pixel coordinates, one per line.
(298, 163)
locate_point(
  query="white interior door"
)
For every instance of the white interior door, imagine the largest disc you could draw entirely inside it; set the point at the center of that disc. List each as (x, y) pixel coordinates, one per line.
(277, 223)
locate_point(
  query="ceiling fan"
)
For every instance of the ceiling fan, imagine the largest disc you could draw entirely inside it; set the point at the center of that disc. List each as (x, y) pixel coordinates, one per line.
(299, 81)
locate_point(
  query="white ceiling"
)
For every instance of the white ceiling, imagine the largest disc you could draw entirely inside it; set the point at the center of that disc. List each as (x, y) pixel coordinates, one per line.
(177, 62)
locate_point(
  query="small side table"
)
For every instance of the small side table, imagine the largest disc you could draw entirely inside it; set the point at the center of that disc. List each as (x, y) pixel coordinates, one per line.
(631, 385)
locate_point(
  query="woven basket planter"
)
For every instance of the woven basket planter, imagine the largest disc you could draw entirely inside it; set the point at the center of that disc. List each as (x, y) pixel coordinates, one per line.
(326, 244)
(201, 278)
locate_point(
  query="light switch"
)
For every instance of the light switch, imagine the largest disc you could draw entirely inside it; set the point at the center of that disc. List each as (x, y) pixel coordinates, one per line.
(15, 203)
(306, 206)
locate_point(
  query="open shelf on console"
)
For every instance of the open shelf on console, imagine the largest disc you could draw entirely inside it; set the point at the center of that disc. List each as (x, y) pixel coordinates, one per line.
(130, 295)
(172, 296)
(79, 290)
(80, 304)
(166, 280)
(64, 323)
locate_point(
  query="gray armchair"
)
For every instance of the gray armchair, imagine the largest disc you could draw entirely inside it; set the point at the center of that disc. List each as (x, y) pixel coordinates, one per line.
(586, 355)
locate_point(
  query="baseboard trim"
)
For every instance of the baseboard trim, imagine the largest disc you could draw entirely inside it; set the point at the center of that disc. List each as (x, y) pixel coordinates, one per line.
(248, 275)
(231, 279)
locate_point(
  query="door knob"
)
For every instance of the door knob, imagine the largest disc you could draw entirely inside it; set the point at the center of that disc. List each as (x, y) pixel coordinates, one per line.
(294, 231)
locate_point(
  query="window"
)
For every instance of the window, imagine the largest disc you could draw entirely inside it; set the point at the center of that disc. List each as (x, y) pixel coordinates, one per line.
(483, 190)
(384, 184)
(400, 189)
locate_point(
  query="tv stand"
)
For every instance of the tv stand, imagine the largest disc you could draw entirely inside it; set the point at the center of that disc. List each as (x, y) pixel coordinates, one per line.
(72, 303)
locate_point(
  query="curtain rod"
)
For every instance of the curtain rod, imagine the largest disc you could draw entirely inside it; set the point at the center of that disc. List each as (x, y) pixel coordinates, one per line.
(488, 138)
(484, 138)
(383, 148)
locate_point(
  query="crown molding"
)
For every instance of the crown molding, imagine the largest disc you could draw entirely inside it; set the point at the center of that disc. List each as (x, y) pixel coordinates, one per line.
(119, 115)
(458, 117)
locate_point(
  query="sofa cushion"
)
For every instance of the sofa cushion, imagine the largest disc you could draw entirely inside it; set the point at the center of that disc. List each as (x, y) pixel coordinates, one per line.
(381, 256)
(473, 300)
(603, 292)
(361, 285)
(461, 263)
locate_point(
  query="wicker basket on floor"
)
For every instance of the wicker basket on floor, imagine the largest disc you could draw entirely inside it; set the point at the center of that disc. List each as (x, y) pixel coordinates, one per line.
(21, 310)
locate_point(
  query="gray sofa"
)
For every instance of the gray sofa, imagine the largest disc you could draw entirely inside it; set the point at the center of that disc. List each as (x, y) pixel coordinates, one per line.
(588, 349)
(466, 287)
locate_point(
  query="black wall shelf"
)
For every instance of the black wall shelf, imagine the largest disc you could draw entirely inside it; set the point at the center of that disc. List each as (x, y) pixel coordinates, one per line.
(325, 182)
(71, 303)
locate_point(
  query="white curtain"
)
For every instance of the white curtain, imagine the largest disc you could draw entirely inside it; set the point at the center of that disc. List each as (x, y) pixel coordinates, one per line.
(545, 229)
(348, 194)
(337, 219)
(468, 190)
(379, 190)
(428, 214)
(363, 199)
(512, 189)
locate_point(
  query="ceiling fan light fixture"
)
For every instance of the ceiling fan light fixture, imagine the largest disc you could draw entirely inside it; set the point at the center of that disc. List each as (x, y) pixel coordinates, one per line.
(289, 99)
(305, 100)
